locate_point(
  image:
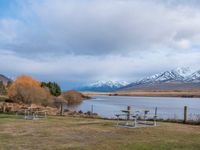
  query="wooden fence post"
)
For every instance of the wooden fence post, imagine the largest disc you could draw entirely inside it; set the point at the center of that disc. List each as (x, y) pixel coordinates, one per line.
(185, 114)
(61, 109)
(92, 107)
(4, 107)
(129, 112)
(155, 116)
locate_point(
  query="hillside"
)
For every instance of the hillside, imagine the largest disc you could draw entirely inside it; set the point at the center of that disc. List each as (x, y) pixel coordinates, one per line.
(163, 87)
(4, 79)
(177, 79)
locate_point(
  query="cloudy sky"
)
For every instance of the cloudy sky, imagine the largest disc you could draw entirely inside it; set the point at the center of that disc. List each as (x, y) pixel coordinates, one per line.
(76, 42)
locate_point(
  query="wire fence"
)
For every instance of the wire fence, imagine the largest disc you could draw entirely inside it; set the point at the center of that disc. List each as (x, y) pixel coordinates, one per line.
(163, 112)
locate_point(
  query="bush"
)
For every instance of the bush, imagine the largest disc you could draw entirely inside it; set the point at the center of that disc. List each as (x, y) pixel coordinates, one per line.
(27, 90)
(73, 97)
(54, 88)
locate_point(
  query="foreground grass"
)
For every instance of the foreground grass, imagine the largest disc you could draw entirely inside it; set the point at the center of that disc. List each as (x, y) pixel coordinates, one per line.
(56, 133)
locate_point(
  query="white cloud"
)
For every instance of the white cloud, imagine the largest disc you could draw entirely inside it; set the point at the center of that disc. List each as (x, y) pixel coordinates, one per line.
(82, 69)
(90, 40)
(184, 44)
(102, 27)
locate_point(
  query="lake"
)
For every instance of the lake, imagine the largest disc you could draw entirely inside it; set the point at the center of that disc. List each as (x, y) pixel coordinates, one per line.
(168, 107)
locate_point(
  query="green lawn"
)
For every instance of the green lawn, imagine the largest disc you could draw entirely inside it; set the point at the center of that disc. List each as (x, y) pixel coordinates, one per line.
(57, 133)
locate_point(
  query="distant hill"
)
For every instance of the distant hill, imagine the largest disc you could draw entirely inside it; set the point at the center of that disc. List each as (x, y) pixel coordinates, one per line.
(4, 79)
(178, 86)
(103, 86)
(178, 79)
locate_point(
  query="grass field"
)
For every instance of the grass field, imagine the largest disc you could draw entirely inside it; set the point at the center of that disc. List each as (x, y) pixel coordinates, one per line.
(59, 133)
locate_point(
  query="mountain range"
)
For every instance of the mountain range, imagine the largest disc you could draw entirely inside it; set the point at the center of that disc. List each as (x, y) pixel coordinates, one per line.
(103, 86)
(176, 79)
(4, 79)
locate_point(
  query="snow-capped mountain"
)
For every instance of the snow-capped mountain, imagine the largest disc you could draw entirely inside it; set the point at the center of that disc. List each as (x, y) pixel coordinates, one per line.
(194, 77)
(176, 79)
(109, 83)
(176, 75)
(104, 86)
(184, 71)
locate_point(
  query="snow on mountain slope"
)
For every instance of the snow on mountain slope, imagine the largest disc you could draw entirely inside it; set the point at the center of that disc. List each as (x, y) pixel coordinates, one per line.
(176, 76)
(108, 83)
(179, 74)
(104, 86)
(194, 77)
(184, 72)
(180, 78)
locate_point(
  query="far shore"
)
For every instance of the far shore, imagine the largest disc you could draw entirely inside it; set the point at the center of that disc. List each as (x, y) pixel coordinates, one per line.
(186, 94)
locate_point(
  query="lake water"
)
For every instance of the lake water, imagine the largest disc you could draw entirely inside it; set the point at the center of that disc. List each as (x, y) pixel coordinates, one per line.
(168, 107)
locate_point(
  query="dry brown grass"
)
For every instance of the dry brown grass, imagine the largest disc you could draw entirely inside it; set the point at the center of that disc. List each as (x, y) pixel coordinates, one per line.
(96, 93)
(162, 93)
(81, 133)
(149, 93)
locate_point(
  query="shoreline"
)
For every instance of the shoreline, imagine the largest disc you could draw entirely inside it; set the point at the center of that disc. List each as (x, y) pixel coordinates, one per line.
(183, 94)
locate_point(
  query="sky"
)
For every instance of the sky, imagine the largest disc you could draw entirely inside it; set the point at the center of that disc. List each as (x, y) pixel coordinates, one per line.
(78, 42)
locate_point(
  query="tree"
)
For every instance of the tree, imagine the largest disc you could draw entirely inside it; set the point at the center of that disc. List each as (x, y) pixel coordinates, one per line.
(2, 88)
(9, 83)
(73, 97)
(27, 90)
(54, 88)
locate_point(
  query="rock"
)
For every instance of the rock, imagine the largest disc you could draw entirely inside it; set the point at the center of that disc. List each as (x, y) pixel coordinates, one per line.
(15, 107)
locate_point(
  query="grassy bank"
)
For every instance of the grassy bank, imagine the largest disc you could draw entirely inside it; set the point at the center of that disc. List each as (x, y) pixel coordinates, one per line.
(81, 133)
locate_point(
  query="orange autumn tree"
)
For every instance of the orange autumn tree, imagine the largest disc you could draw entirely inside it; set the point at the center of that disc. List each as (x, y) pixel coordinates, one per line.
(27, 90)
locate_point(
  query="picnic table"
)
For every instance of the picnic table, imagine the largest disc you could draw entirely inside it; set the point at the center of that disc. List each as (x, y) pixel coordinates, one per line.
(135, 115)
